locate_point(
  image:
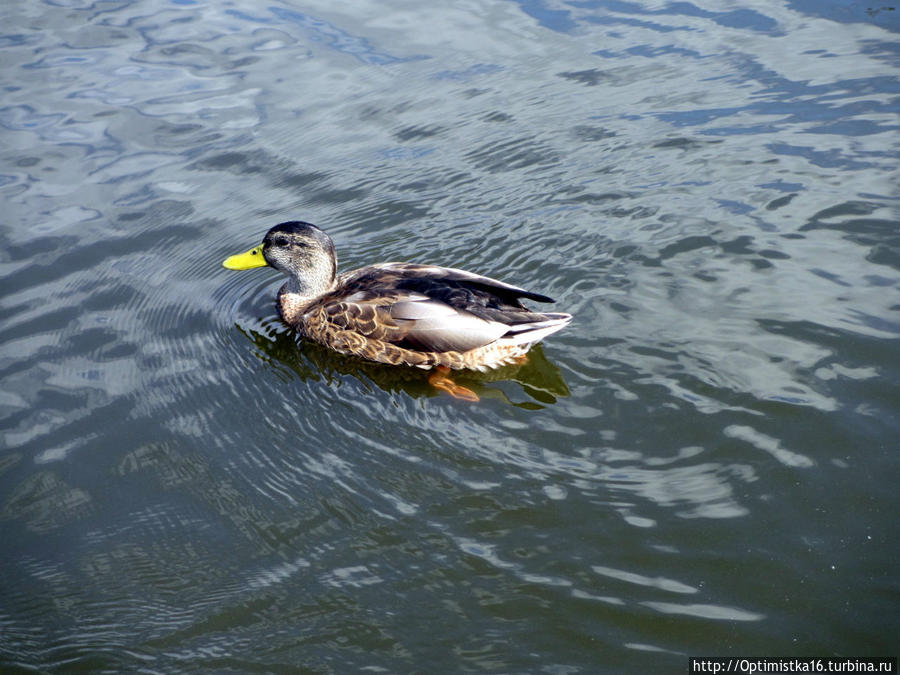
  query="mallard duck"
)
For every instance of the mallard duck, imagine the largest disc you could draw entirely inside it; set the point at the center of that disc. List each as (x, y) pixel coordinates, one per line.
(400, 313)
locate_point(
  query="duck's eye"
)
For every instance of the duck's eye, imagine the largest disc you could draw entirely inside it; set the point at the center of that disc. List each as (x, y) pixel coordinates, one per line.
(281, 241)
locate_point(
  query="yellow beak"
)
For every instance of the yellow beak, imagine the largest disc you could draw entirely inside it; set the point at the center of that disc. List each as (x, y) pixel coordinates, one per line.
(245, 261)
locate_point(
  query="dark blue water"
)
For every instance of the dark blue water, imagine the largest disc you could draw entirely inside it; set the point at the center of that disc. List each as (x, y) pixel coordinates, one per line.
(704, 462)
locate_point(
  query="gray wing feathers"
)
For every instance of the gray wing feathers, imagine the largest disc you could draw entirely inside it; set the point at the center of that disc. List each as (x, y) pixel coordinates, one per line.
(436, 326)
(425, 314)
(423, 308)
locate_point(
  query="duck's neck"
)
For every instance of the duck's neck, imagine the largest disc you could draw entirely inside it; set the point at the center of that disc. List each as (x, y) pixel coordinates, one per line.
(296, 295)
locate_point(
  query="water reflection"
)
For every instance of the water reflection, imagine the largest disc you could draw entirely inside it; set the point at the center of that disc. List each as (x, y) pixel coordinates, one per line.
(280, 348)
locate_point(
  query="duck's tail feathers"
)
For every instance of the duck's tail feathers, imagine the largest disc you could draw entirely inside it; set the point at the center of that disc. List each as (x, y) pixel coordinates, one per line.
(535, 331)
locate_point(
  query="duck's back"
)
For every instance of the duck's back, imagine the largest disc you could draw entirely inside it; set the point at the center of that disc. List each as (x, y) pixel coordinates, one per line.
(425, 315)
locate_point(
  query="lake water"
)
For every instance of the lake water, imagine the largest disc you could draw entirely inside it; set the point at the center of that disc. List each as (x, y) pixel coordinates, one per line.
(704, 462)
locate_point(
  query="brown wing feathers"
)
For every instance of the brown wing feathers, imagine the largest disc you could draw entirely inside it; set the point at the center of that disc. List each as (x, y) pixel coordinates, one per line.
(430, 308)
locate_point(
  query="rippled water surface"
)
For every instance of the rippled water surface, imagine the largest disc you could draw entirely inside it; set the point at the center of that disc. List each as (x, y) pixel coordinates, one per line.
(704, 462)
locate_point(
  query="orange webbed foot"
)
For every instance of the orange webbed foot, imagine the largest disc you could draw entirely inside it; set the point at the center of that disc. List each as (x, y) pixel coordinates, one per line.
(440, 379)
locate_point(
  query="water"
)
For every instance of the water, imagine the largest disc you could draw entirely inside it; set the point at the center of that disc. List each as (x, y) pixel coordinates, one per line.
(704, 462)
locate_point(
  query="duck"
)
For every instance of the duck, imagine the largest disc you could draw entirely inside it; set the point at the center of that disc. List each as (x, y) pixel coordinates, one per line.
(402, 314)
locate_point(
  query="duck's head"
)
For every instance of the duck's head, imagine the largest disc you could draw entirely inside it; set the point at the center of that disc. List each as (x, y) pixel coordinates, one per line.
(300, 250)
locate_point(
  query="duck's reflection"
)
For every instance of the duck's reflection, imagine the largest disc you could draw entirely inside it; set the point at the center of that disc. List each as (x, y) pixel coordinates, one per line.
(278, 346)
